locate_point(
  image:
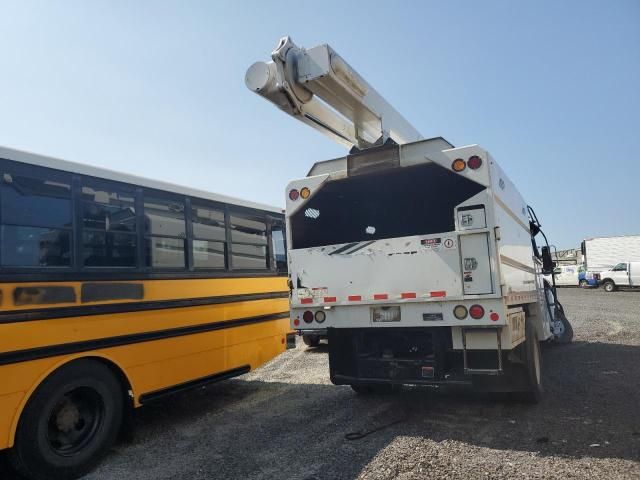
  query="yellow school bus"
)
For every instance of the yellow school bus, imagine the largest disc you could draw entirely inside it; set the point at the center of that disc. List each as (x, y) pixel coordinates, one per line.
(116, 290)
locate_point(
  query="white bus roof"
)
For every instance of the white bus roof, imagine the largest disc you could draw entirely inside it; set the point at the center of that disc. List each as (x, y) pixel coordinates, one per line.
(82, 169)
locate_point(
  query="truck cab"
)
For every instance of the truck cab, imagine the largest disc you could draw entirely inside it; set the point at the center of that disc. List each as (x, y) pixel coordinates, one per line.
(623, 274)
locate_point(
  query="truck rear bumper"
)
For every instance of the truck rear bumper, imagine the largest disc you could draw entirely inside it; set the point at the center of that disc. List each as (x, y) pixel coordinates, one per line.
(417, 356)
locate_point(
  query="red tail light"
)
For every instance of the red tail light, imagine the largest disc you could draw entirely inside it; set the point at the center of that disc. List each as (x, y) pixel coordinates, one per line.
(294, 194)
(474, 162)
(308, 316)
(476, 312)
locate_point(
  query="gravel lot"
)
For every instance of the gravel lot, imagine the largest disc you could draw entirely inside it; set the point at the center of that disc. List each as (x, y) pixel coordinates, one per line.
(286, 420)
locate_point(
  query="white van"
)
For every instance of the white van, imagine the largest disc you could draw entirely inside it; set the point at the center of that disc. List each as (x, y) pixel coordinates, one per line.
(624, 274)
(566, 275)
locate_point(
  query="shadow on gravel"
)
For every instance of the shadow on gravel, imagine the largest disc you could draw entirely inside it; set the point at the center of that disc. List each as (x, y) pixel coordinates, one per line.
(322, 348)
(255, 429)
(592, 398)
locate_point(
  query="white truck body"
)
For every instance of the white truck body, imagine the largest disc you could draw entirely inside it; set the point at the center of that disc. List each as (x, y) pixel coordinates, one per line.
(424, 275)
(414, 257)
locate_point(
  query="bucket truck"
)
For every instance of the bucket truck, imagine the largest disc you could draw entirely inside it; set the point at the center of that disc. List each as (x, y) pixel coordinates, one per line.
(419, 259)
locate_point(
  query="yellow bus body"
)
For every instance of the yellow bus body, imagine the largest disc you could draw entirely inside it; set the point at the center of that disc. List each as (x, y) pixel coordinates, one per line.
(179, 332)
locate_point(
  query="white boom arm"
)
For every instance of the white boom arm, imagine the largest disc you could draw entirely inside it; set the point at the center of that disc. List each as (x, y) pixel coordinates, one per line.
(319, 88)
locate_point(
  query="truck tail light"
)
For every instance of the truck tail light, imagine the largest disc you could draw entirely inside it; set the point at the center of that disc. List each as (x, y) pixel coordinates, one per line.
(476, 312)
(474, 162)
(305, 192)
(307, 316)
(294, 194)
(320, 316)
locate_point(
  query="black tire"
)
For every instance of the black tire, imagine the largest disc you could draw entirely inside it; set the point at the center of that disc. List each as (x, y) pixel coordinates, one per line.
(609, 286)
(311, 340)
(532, 357)
(583, 283)
(69, 423)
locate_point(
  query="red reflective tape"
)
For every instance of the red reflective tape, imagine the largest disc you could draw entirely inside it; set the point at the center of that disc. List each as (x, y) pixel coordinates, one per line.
(440, 293)
(329, 299)
(408, 295)
(354, 298)
(380, 296)
(306, 300)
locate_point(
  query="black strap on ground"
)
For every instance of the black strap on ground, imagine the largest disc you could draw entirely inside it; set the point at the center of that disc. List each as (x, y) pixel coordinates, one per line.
(363, 433)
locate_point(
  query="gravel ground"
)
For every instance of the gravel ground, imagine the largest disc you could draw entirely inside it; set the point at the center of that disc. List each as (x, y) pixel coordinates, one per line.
(286, 420)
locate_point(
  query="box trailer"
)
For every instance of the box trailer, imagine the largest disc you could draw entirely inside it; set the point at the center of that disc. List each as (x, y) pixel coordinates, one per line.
(603, 253)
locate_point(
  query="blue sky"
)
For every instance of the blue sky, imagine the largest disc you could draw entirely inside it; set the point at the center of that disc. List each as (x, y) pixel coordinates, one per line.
(156, 88)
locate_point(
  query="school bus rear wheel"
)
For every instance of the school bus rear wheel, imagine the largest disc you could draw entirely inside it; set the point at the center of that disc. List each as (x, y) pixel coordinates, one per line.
(70, 421)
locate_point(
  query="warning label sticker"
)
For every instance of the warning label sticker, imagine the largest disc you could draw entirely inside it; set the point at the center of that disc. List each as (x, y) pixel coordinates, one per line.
(319, 292)
(304, 293)
(431, 243)
(437, 243)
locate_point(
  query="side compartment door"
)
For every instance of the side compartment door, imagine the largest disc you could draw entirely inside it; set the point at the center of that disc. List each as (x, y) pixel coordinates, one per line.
(476, 267)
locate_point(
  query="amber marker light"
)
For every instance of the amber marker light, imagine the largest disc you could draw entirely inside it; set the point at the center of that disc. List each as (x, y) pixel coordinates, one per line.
(458, 165)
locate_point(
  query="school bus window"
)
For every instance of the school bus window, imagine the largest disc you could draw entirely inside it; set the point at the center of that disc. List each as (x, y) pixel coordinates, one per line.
(209, 237)
(34, 246)
(36, 202)
(249, 257)
(164, 216)
(249, 242)
(248, 230)
(164, 252)
(105, 208)
(109, 227)
(165, 232)
(36, 220)
(208, 254)
(108, 249)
